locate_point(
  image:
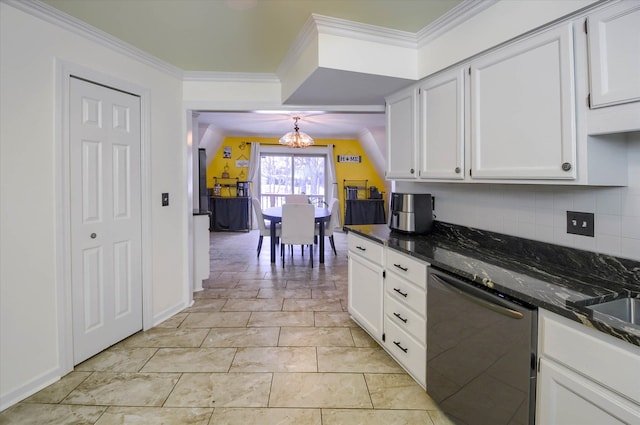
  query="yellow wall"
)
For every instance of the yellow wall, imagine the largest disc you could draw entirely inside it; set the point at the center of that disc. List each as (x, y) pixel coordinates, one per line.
(241, 149)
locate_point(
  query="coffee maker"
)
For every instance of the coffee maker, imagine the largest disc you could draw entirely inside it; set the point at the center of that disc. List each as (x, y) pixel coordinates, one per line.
(411, 212)
(242, 189)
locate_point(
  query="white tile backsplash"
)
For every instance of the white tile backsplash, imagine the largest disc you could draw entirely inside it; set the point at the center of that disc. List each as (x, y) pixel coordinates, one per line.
(609, 201)
(631, 205)
(609, 244)
(608, 224)
(539, 211)
(630, 248)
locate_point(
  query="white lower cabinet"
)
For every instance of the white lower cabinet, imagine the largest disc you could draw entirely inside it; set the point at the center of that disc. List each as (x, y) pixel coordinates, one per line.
(585, 376)
(405, 307)
(388, 299)
(366, 284)
(566, 397)
(408, 352)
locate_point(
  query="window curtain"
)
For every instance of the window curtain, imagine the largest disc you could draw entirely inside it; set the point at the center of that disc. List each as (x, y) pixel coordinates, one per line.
(333, 180)
(252, 175)
(254, 165)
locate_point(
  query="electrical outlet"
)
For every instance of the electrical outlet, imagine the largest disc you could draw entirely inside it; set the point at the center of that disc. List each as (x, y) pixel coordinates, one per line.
(580, 223)
(165, 199)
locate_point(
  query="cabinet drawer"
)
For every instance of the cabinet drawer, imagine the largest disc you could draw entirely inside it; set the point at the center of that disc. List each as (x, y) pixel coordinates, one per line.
(408, 267)
(366, 248)
(405, 318)
(603, 358)
(407, 351)
(407, 293)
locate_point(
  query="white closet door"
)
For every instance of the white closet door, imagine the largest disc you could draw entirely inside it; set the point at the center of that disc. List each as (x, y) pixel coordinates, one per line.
(106, 224)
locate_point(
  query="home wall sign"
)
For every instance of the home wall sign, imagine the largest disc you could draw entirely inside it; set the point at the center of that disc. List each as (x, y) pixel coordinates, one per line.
(242, 161)
(349, 158)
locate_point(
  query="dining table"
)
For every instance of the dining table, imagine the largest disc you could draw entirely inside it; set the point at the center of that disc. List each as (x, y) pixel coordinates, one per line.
(274, 215)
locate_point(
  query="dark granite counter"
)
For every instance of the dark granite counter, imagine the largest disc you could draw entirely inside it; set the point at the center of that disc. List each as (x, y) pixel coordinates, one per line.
(559, 279)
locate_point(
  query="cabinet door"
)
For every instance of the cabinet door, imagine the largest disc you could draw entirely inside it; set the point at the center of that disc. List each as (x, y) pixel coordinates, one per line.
(523, 109)
(442, 126)
(566, 397)
(365, 294)
(614, 54)
(402, 134)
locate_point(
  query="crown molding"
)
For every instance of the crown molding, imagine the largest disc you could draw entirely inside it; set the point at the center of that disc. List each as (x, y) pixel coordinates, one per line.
(320, 24)
(56, 17)
(230, 77)
(454, 17)
(308, 32)
(364, 32)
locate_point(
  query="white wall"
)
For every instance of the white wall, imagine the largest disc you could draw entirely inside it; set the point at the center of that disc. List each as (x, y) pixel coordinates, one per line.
(539, 212)
(502, 21)
(29, 243)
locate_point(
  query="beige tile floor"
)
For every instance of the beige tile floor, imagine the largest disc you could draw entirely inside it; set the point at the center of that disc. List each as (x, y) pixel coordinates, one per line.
(261, 345)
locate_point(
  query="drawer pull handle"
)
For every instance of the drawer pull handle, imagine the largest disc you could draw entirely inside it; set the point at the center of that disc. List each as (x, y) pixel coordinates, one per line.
(404, 294)
(361, 248)
(400, 317)
(404, 269)
(400, 346)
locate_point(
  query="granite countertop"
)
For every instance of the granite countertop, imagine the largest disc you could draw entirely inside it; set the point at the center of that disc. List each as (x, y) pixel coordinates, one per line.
(559, 279)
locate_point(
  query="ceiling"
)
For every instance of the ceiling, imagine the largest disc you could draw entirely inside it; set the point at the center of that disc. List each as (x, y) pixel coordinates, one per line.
(249, 36)
(254, 36)
(318, 124)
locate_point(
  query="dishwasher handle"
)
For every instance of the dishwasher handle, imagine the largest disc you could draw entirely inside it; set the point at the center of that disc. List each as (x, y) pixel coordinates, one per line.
(494, 304)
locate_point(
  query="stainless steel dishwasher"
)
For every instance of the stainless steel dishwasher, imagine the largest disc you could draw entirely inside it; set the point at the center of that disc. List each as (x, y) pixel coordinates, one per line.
(481, 353)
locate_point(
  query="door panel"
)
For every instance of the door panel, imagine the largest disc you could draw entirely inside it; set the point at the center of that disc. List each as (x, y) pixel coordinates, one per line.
(105, 208)
(121, 182)
(92, 181)
(92, 289)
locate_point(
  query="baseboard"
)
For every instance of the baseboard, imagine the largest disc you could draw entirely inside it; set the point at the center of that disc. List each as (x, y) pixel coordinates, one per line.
(33, 386)
(168, 313)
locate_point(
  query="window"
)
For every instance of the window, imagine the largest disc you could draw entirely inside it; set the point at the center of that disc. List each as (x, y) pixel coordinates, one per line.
(285, 174)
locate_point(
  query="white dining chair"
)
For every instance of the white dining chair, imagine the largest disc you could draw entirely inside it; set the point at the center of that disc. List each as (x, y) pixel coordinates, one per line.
(334, 208)
(264, 229)
(298, 227)
(296, 199)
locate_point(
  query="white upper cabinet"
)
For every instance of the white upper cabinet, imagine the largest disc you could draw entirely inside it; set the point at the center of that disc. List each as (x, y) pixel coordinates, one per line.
(402, 134)
(442, 126)
(519, 113)
(614, 54)
(522, 109)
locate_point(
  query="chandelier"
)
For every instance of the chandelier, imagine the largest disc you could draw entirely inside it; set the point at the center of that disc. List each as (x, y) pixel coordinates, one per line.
(296, 138)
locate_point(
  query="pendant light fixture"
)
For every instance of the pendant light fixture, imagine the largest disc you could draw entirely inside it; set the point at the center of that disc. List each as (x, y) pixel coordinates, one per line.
(296, 138)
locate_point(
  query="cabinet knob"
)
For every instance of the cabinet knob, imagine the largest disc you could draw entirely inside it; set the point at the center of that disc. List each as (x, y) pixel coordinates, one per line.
(566, 166)
(93, 236)
(412, 171)
(457, 170)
